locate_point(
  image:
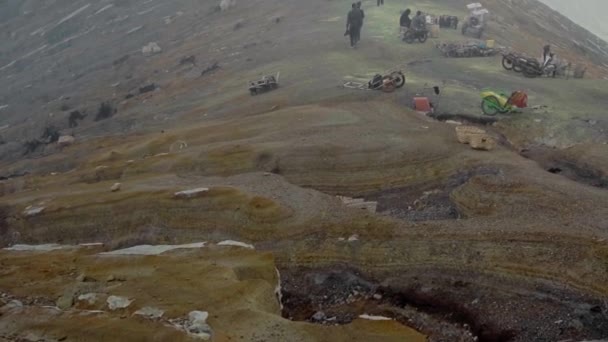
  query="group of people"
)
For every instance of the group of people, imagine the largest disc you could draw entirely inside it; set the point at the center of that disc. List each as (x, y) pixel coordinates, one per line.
(354, 22)
(417, 23)
(448, 21)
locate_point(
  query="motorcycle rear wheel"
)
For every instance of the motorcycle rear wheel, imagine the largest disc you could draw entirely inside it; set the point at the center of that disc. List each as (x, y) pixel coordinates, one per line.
(517, 67)
(490, 105)
(530, 73)
(408, 37)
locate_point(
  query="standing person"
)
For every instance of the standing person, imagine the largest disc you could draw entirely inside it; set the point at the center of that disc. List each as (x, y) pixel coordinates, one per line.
(353, 24)
(380, 2)
(405, 22)
(546, 53)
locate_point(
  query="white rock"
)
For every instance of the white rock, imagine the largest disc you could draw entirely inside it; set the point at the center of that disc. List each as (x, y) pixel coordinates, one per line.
(197, 325)
(278, 291)
(33, 211)
(117, 302)
(226, 4)
(90, 298)
(235, 243)
(353, 238)
(91, 244)
(153, 250)
(14, 304)
(151, 49)
(38, 248)
(375, 318)
(318, 316)
(452, 122)
(198, 316)
(150, 312)
(190, 193)
(65, 140)
(115, 187)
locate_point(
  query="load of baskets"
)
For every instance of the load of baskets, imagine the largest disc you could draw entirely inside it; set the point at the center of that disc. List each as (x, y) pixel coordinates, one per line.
(466, 49)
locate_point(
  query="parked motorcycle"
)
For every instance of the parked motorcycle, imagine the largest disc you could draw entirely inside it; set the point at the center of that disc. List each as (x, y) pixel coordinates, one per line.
(536, 69)
(412, 34)
(529, 66)
(494, 102)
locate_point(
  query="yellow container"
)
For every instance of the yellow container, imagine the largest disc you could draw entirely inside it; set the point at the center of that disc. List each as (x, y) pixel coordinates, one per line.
(490, 43)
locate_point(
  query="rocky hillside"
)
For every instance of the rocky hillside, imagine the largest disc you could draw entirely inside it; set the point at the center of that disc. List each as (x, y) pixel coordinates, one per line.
(588, 14)
(129, 125)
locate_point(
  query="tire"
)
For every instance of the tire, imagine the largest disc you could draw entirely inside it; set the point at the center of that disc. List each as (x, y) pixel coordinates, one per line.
(408, 37)
(517, 67)
(528, 72)
(507, 63)
(399, 79)
(423, 37)
(489, 105)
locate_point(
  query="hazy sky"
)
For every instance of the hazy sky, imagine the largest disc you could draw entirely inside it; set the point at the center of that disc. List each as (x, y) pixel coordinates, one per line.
(590, 14)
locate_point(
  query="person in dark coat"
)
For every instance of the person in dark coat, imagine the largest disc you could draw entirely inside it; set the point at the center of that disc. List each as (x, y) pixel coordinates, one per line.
(405, 20)
(419, 22)
(353, 24)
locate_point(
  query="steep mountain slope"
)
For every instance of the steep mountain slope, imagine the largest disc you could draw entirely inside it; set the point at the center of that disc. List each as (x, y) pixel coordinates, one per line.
(466, 245)
(588, 14)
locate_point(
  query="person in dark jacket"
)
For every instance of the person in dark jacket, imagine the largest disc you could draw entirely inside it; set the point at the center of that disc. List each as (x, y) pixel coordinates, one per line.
(419, 22)
(405, 20)
(353, 24)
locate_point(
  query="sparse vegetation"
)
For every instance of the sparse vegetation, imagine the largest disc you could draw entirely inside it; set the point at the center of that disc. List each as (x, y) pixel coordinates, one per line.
(105, 111)
(74, 117)
(50, 135)
(31, 146)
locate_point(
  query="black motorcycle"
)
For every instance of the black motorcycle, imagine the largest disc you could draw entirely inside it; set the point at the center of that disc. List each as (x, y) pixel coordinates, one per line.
(412, 34)
(537, 69)
(515, 62)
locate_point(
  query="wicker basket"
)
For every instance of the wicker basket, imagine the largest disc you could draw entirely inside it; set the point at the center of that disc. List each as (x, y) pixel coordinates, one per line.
(464, 133)
(482, 142)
